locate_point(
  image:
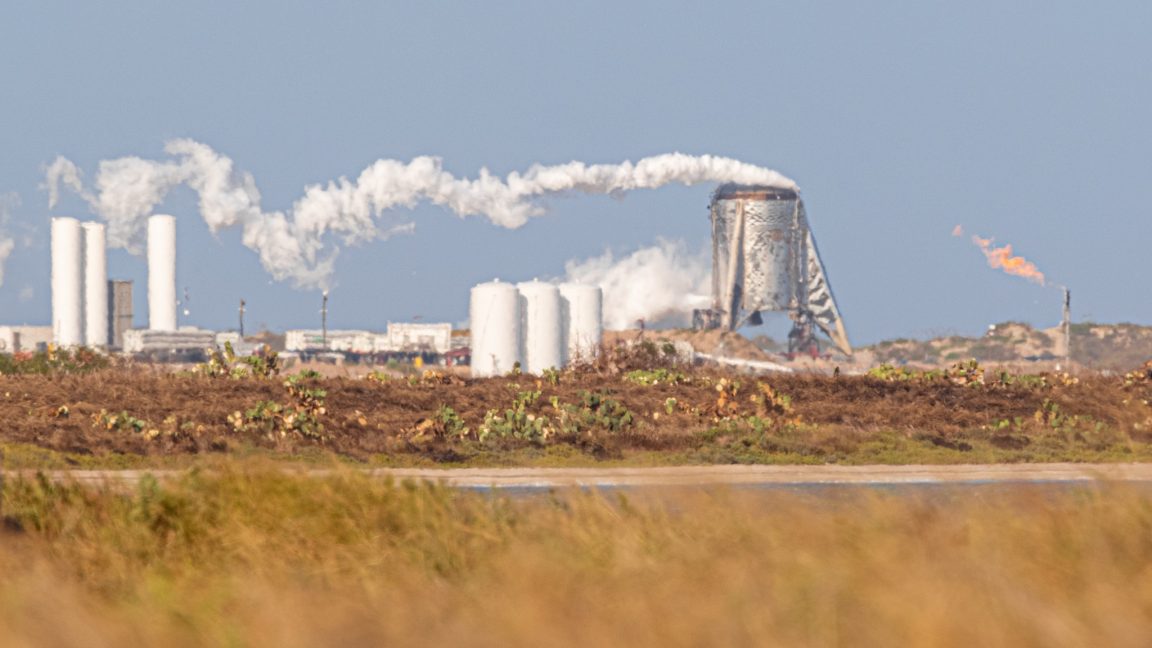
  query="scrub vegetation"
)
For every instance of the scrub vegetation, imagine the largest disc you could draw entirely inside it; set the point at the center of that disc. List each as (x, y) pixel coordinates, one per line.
(634, 406)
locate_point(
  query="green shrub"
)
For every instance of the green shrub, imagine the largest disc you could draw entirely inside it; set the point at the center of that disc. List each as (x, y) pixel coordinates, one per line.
(658, 376)
(54, 360)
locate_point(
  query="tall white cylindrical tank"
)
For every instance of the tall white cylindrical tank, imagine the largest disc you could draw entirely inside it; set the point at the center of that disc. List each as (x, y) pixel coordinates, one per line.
(541, 326)
(583, 318)
(162, 273)
(494, 315)
(67, 283)
(95, 286)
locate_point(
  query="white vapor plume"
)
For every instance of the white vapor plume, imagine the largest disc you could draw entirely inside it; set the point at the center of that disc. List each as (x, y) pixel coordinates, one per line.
(62, 172)
(6, 247)
(659, 284)
(8, 203)
(297, 244)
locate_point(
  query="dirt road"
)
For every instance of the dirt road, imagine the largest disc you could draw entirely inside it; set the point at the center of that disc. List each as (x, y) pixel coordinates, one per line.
(531, 478)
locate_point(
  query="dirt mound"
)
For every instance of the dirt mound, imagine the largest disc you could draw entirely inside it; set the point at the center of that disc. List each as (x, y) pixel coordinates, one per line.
(713, 342)
(1095, 346)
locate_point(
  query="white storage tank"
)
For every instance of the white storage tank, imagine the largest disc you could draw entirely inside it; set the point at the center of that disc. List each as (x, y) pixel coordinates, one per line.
(583, 307)
(162, 273)
(541, 326)
(67, 282)
(494, 315)
(95, 286)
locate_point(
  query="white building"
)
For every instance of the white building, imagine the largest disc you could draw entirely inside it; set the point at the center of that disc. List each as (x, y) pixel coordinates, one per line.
(347, 341)
(399, 338)
(14, 339)
(416, 337)
(185, 339)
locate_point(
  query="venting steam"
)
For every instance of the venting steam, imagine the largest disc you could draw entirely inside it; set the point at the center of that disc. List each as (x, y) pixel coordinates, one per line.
(301, 244)
(8, 202)
(659, 284)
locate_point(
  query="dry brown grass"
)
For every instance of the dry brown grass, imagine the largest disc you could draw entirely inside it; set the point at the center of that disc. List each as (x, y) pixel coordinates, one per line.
(254, 556)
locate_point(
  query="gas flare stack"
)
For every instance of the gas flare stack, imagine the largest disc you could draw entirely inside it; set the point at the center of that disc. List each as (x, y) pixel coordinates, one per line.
(764, 259)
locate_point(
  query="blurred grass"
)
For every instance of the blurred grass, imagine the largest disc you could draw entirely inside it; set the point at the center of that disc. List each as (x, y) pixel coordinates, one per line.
(248, 554)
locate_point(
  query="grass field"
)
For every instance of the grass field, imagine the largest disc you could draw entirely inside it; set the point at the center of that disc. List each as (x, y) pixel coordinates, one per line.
(247, 554)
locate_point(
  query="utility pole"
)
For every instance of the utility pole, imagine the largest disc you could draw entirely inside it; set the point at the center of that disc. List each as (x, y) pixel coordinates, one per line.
(1066, 324)
(324, 321)
(241, 319)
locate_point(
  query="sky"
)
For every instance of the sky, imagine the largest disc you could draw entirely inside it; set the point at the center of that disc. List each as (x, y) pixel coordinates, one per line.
(1025, 122)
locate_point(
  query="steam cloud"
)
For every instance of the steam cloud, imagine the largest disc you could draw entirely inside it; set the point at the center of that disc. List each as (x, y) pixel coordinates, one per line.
(297, 245)
(659, 284)
(63, 172)
(8, 203)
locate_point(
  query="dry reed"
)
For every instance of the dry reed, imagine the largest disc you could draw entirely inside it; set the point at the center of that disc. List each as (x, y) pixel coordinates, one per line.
(249, 555)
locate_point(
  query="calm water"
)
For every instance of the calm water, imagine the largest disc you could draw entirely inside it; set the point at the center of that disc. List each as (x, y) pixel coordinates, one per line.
(977, 490)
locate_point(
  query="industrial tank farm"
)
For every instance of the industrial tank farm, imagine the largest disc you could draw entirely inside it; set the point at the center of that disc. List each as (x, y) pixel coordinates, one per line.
(90, 310)
(533, 325)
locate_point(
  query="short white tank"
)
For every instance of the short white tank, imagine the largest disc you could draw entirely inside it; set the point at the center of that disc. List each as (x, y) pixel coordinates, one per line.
(494, 315)
(583, 319)
(541, 326)
(67, 282)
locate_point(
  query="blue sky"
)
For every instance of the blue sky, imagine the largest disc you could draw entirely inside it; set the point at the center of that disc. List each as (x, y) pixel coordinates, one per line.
(1023, 121)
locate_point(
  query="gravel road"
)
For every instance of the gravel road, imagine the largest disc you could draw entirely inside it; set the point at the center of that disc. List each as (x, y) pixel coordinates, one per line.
(520, 478)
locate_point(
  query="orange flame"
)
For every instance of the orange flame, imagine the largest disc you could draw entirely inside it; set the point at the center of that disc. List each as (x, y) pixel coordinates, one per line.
(1001, 257)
